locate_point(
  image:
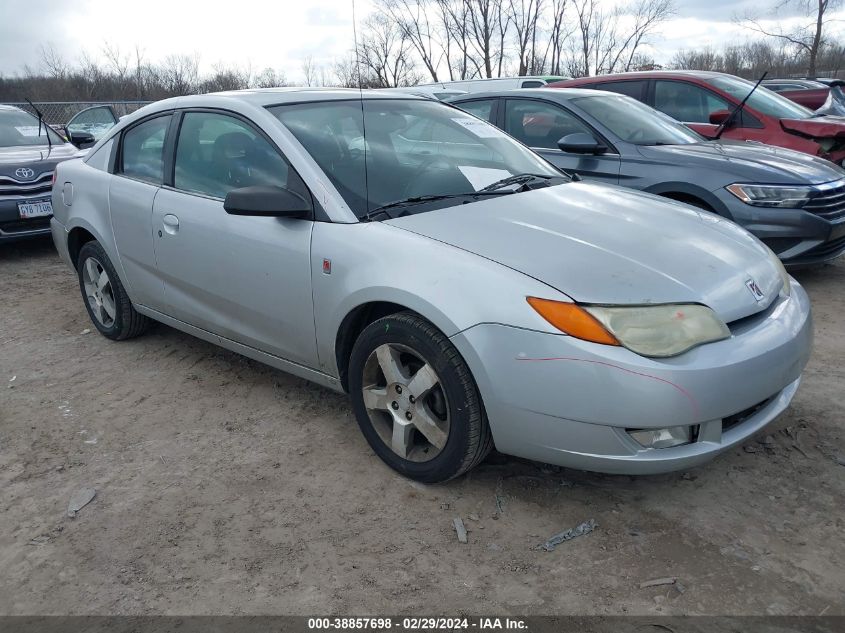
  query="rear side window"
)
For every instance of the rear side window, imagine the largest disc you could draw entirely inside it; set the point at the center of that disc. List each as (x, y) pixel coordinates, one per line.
(216, 153)
(540, 124)
(481, 108)
(635, 89)
(142, 155)
(687, 102)
(101, 158)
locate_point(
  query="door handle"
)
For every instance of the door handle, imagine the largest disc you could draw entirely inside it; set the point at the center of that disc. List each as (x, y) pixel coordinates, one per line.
(171, 223)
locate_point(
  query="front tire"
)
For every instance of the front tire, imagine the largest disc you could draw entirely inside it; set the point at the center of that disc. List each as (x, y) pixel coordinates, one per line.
(416, 401)
(104, 296)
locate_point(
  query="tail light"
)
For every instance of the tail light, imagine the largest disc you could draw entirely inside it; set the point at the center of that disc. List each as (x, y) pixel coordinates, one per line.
(53, 181)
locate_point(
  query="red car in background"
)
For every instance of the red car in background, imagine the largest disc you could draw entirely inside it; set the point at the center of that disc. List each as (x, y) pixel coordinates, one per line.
(703, 101)
(810, 94)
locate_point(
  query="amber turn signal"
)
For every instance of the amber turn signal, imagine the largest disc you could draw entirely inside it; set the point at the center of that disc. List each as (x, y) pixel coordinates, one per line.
(573, 320)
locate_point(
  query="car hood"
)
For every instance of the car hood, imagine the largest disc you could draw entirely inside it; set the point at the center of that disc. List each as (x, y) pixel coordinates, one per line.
(748, 161)
(817, 127)
(24, 156)
(608, 245)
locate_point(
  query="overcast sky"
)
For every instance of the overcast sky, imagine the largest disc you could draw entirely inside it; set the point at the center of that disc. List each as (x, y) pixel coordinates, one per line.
(264, 34)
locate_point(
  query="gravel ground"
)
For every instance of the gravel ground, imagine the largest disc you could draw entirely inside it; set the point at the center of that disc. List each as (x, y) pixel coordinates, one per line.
(227, 487)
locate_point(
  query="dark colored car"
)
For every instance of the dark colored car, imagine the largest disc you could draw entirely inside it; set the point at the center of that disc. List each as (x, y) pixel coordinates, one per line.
(794, 202)
(96, 121)
(810, 94)
(28, 158)
(703, 101)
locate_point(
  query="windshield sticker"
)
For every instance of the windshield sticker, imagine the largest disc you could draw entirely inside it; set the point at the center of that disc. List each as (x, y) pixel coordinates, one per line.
(480, 128)
(480, 177)
(27, 130)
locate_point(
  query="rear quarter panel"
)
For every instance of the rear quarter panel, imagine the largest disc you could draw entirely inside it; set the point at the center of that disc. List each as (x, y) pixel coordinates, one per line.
(87, 207)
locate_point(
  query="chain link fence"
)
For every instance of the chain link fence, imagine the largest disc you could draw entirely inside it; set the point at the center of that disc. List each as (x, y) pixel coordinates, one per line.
(60, 112)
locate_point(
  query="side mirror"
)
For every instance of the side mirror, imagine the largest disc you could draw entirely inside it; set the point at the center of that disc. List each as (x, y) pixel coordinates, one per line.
(581, 143)
(717, 117)
(81, 139)
(266, 201)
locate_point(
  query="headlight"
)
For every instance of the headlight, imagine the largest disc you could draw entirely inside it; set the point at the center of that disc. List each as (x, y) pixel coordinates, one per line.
(656, 331)
(771, 195)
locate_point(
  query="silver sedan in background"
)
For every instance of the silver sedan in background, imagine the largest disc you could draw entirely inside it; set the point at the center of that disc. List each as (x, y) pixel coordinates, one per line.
(462, 290)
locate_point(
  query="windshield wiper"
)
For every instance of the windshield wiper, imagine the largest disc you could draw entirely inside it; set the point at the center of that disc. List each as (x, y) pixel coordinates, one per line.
(40, 123)
(518, 179)
(724, 124)
(383, 209)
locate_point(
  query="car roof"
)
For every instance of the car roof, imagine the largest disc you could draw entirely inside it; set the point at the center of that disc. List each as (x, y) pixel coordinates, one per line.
(263, 97)
(552, 94)
(10, 107)
(650, 74)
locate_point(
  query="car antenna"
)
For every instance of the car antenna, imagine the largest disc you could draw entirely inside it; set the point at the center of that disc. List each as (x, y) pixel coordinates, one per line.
(361, 98)
(40, 123)
(724, 124)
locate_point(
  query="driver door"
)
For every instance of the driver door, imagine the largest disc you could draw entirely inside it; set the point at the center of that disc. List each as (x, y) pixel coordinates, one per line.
(95, 121)
(245, 278)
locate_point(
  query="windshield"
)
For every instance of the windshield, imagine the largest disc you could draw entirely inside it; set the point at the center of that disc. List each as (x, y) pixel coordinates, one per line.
(379, 151)
(635, 122)
(763, 100)
(20, 129)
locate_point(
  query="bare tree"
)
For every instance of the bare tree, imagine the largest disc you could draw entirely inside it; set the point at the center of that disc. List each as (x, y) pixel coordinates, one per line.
(52, 62)
(309, 71)
(179, 74)
(524, 14)
(116, 60)
(559, 33)
(270, 78)
(487, 30)
(412, 17)
(385, 53)
(608, 41)
(808, 38)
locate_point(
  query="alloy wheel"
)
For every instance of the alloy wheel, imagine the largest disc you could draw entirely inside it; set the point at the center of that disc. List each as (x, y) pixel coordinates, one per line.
(99, 292)
(406, 403)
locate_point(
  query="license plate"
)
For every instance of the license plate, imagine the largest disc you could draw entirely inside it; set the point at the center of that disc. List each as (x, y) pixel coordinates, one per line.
(35, 209)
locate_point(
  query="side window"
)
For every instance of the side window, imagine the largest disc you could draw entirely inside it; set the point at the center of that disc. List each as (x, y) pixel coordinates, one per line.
(539, 124)
(533, 83)
(482, 108)
(100, 158)
(142, 155)
(687, 102)
(216, 153)
(635, 89)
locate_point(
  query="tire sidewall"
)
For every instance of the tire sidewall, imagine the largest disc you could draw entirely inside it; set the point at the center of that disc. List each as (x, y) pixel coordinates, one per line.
(93, 249)
(461, 401)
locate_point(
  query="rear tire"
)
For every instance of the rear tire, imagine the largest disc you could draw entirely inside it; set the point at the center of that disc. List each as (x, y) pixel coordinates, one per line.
(416, 401)
(104, 296)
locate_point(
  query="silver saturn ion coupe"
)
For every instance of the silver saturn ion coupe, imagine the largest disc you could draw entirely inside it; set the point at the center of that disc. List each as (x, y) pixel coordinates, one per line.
(463, 291)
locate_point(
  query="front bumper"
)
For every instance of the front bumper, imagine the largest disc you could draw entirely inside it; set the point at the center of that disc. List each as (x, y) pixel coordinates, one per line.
(798, 237)
(557, 399)
(13, 228)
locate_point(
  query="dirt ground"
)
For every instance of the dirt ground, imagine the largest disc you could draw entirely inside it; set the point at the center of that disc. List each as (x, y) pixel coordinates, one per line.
(227, 487)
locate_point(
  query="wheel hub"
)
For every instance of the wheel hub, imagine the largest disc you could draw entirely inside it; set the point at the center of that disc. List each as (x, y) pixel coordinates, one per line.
(402, 398)
(405, 402)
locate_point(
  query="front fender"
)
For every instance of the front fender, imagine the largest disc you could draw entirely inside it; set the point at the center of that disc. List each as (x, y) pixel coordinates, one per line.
(689, 189)
(452, 288)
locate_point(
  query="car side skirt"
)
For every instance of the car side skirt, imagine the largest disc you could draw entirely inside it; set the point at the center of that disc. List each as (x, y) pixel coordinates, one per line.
(325, 380)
